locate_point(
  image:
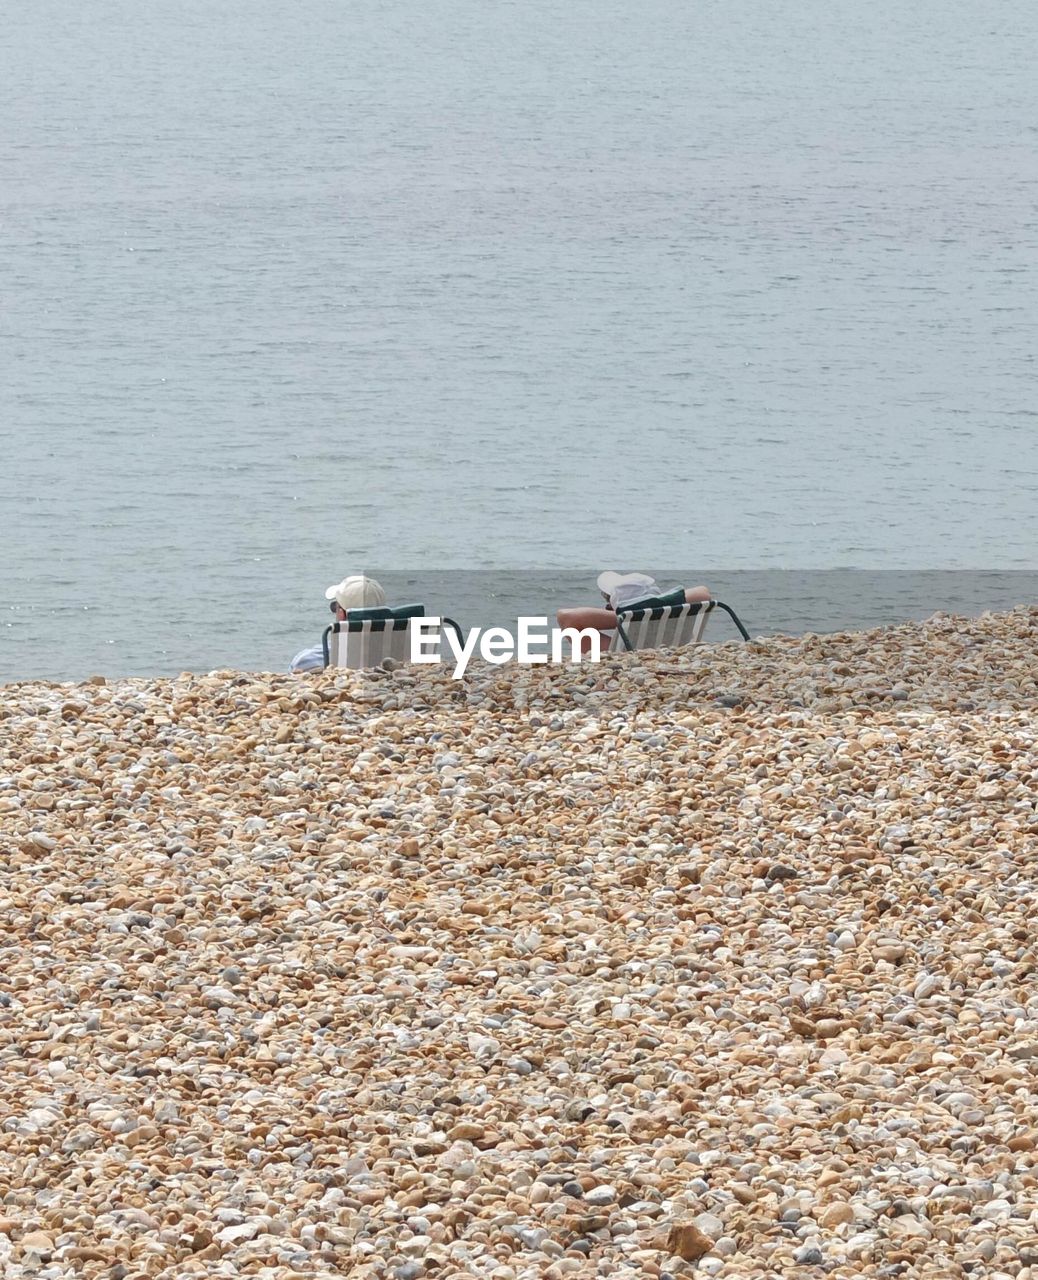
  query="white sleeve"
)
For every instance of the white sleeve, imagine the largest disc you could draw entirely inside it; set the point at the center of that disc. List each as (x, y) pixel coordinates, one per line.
(311, 659)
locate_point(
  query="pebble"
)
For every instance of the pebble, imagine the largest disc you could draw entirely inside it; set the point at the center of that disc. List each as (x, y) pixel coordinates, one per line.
(686, 1241)
(37, 1241)
(836, 1214)
(545, 972)
(600, 1195)
(710, 1225)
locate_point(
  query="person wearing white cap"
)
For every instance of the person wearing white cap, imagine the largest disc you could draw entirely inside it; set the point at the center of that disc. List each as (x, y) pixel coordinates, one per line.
(619, 590)
(354, 592)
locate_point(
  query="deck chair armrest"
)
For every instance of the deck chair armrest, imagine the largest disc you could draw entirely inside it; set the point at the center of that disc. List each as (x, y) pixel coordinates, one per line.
(734, 617)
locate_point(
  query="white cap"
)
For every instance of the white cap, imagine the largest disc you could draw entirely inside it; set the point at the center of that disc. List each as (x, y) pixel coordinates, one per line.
(356, 592)
(625, 588)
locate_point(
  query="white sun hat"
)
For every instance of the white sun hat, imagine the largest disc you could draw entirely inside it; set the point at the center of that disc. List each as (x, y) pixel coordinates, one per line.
(356, 592)
(625, 588)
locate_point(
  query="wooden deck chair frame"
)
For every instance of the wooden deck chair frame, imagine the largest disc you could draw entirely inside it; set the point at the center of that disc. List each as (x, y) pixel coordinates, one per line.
(647, 625)
(366, 637)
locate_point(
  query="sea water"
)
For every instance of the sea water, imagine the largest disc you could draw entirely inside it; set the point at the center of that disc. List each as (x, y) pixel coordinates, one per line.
(288, 291)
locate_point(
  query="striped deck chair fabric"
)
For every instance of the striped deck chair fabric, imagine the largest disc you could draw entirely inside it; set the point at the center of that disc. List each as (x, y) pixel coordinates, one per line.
(666, 620)
(368, 636)
(652, 626)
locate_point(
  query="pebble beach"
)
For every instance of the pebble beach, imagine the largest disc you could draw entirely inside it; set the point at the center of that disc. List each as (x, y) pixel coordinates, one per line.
(714, 962)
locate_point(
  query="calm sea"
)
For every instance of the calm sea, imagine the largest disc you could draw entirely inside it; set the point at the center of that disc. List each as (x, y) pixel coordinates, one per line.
(291, 290)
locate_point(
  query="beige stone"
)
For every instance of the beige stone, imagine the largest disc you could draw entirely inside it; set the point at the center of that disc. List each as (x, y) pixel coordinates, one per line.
(686, 1241)
(834, 1215)
(39, 1241)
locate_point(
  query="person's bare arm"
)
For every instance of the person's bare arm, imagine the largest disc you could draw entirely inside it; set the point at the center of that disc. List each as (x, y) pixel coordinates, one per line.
(692, 594)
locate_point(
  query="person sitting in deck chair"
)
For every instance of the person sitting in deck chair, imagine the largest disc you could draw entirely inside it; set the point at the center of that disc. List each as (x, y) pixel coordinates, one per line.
(618, 590)
(354, 592)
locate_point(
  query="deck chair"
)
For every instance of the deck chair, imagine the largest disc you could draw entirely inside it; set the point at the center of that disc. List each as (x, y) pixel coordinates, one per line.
(665, 620)
(366, 637)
